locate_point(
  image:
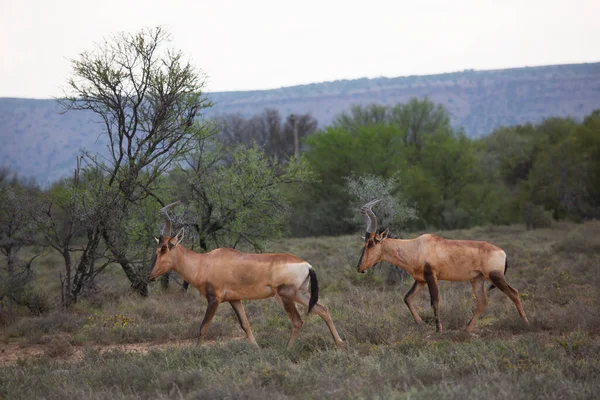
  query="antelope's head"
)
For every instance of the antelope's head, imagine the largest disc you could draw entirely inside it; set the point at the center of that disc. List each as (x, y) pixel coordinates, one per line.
(164, 259)
(372, 250)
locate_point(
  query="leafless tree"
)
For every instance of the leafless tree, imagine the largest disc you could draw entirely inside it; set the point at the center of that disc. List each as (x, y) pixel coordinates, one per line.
(19, 200)
(72, 219)
(148, 99)
(278, 139)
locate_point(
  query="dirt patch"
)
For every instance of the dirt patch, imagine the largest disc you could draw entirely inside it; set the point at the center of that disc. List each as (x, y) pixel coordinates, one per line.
(12, 353)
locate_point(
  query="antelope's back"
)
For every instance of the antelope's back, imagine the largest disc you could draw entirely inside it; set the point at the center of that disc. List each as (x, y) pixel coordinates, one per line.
(273, 269)
(463, 259)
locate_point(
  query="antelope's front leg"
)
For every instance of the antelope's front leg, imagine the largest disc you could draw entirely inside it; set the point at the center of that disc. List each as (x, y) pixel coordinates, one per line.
(211, 309)
(432, 284)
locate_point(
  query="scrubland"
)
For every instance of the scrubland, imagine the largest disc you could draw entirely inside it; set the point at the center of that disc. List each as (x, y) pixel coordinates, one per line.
(117, 345)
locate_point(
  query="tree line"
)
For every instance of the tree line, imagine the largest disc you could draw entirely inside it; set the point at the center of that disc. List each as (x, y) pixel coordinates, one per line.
(532, 173)
(243, 181)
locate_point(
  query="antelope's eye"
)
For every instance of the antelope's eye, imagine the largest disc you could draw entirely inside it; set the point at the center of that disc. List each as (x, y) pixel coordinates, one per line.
(163, 249)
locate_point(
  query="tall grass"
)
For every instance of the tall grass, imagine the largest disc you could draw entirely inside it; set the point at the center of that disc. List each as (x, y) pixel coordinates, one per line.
(88, 352)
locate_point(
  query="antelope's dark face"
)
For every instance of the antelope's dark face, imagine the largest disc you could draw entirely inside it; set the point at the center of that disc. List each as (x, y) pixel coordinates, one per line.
(164, 258)
(372, 251)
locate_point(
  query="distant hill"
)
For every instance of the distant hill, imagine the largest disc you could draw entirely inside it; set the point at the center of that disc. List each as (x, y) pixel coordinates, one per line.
(40, 142)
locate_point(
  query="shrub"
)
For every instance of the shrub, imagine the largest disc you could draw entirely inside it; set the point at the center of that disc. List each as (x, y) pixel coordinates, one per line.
(59, 346)
(580, 240)
(536, 216)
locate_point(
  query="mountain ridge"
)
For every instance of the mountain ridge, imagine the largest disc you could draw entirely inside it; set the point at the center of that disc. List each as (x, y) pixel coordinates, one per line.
(478, 102)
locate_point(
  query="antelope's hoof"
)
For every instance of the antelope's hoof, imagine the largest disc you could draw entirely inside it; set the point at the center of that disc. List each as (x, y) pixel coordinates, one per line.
(464, 336)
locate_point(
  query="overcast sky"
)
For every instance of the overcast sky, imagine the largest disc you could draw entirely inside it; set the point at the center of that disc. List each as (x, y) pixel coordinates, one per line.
(263, 44)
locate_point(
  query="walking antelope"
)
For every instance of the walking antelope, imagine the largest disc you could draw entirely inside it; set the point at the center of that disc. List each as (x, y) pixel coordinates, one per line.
(228, 275)
(430, 258)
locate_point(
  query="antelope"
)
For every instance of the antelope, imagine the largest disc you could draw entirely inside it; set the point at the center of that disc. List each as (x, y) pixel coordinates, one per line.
(430, 258)
(229, 275)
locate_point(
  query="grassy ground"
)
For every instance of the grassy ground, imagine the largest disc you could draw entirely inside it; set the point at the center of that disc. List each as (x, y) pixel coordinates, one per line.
(114, 345)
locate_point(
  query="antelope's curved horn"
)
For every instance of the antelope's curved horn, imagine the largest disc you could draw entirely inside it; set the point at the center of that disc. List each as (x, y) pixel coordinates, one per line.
(164, 216)
(372, 221)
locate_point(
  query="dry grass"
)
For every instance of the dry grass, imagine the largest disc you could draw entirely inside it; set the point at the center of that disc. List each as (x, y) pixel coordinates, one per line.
(89, 352)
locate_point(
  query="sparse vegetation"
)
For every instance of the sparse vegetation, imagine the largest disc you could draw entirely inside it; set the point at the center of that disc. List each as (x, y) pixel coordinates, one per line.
(130, 347)
(72, 329)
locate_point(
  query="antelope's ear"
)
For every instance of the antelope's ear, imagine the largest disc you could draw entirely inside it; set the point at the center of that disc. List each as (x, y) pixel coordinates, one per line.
(382, 235)
(178, 238)
(157, 241)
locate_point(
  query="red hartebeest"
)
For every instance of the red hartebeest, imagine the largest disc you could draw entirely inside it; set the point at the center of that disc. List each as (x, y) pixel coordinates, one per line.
(228, 275)
(430, 258)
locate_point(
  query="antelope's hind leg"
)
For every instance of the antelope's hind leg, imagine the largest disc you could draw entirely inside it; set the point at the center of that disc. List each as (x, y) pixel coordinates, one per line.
(482, 301)
(295, 319)
(416, 288)
(498, 279)
(322, 312)
(285, 294)
(238, 307)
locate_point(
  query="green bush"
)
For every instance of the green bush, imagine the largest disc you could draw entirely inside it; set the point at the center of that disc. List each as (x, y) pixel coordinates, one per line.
(536, 216)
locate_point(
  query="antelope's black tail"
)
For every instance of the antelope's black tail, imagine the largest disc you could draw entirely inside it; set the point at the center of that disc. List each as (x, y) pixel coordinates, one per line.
(314, 290)
(505, 268)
